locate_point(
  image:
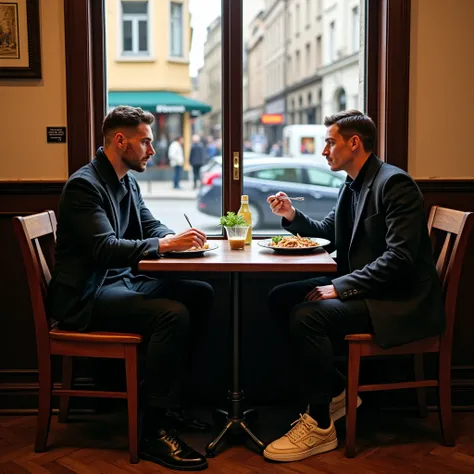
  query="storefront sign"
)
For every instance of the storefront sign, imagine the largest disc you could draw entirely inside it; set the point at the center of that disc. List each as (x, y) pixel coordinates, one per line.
(170, 109)
(272, 119)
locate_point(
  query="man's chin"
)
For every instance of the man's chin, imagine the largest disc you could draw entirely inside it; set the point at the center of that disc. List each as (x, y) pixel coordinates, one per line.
(139, 169)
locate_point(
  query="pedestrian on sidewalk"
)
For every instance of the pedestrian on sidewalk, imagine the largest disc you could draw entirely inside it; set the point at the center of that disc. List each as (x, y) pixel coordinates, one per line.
(197, 158)
(176, 157)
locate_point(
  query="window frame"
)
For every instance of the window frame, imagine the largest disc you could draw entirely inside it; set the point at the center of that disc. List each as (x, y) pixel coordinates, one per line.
(386, 82)
(170, 45)
(135, 54)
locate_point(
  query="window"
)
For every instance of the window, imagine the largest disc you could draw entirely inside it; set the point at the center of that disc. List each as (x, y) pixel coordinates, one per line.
(319, 52)
(341, 101)
(176, 30)
(292, 175)
(308, 59)
(321, 178)
(135, 28)
(297, 20)
(332, 41)
(355, 29)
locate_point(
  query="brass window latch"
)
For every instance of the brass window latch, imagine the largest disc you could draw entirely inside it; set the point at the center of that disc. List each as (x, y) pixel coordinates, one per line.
(236, 166)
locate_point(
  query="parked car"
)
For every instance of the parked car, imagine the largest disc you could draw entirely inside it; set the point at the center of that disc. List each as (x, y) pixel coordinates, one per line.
(264, 176)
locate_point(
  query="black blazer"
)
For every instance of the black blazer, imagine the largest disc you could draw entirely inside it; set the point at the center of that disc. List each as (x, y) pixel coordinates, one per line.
(87, 243)
(389, 254)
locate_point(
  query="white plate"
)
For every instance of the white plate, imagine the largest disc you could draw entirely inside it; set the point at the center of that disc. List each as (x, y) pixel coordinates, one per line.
(319, 243)
(191, 253)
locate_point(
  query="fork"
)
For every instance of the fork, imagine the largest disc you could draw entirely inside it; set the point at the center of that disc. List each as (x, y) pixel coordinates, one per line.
(299, 198)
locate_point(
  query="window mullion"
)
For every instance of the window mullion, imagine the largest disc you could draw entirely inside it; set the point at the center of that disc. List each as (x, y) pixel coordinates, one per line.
(232, 101)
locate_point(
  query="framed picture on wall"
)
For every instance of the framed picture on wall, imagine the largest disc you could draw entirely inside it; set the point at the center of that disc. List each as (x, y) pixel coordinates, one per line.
(20, 51)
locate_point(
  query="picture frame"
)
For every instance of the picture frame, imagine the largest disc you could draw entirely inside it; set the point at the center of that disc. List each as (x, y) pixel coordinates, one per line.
(20, 49)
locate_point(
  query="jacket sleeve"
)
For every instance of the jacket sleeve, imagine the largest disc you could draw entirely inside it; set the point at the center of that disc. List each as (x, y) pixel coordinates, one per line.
(82, 209)
(404, 221)
(307, 227)
(151, 226)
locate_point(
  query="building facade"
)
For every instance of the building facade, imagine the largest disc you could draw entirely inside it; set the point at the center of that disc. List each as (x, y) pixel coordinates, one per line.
(147, 44)
(302, 61)
(210, 80)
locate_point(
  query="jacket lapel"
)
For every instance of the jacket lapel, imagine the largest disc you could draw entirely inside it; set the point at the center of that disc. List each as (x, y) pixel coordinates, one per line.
(134, 207)
(107, 175)
(372, 171)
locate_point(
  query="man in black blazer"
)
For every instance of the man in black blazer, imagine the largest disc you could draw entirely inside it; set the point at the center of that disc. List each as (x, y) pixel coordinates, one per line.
(104, 230)
(386, 282)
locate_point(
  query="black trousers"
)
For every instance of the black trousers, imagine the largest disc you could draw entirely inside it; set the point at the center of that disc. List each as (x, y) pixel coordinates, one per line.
(166, 313)
(314, 328)
(196, 177)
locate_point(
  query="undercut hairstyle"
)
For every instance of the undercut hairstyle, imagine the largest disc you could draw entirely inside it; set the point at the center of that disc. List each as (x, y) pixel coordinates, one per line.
(124, 116)
(353, 122)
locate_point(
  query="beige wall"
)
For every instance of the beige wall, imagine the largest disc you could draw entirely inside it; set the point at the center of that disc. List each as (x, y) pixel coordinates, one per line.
(28, 106)
(441, 89)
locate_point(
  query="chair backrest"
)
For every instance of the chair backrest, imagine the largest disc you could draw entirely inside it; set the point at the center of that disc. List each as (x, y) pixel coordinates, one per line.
(450, 231)
(36, 235)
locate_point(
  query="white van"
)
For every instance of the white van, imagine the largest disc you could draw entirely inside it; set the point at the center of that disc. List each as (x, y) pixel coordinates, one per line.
(304, 140)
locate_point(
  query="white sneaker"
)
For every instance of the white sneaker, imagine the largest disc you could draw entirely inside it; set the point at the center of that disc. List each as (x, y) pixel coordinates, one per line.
(302, 441)
(337, 407)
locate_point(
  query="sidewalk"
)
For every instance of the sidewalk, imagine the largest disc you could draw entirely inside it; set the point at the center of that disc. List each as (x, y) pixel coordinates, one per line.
(164, 190)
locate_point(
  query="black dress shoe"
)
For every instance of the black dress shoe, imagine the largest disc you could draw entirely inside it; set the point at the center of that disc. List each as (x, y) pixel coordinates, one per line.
(168, 450)
(182, 420)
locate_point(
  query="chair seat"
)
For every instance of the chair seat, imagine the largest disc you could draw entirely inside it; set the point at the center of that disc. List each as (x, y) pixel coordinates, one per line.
(360, 337)
(97, 336)
(370, 348)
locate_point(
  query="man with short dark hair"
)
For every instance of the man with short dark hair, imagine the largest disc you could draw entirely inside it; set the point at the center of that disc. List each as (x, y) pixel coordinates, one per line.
(386, 282)
(104, 230)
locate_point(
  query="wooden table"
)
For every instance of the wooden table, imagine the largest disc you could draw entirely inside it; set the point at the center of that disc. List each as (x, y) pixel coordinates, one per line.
(252, 259)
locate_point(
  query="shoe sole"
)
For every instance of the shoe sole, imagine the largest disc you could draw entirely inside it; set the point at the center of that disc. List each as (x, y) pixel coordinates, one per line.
(148, 457)
(322, 448)
(341, 412)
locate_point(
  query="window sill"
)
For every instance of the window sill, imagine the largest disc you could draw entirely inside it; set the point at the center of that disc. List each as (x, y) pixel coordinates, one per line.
(136, 59)
(174, 59)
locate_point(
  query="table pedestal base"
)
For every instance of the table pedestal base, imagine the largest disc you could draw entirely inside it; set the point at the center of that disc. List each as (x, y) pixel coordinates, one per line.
(235, 418)
(233, 426)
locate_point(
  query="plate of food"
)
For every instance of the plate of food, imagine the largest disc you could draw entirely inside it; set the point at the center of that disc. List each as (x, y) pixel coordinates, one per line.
(193, 251)
(293, 244)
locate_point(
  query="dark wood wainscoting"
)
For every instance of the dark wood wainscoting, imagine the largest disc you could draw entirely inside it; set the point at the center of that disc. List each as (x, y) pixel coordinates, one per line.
(267, 374)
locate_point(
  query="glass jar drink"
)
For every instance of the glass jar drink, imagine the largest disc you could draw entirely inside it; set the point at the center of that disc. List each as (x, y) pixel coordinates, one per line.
(236, 236)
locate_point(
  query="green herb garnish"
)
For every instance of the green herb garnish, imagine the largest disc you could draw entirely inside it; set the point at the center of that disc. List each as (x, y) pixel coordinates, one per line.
(232, 220)
(277, 239)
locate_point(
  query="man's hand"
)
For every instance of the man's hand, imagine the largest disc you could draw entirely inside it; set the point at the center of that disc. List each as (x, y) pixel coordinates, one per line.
(319, 293)
(184, 241)
(281, 205)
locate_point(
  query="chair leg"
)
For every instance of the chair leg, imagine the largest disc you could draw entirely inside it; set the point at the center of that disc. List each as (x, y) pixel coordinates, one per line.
(421, 391)
(445, 408)
(67, 384)
(44, 403)
(351, 397)
(132, 400)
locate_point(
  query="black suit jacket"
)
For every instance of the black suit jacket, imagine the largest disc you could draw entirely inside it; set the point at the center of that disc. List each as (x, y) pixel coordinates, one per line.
(389, 254)
(87, 240)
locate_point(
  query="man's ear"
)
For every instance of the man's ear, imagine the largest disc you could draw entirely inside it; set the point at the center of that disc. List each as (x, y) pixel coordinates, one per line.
(355, 141)
(120, 139)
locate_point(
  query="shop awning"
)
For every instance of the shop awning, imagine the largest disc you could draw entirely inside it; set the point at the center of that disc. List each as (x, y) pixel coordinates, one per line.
(164, 102)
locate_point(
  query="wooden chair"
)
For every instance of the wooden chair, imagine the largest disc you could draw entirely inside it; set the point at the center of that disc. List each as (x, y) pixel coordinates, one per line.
(37, 235)
(457, 227)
